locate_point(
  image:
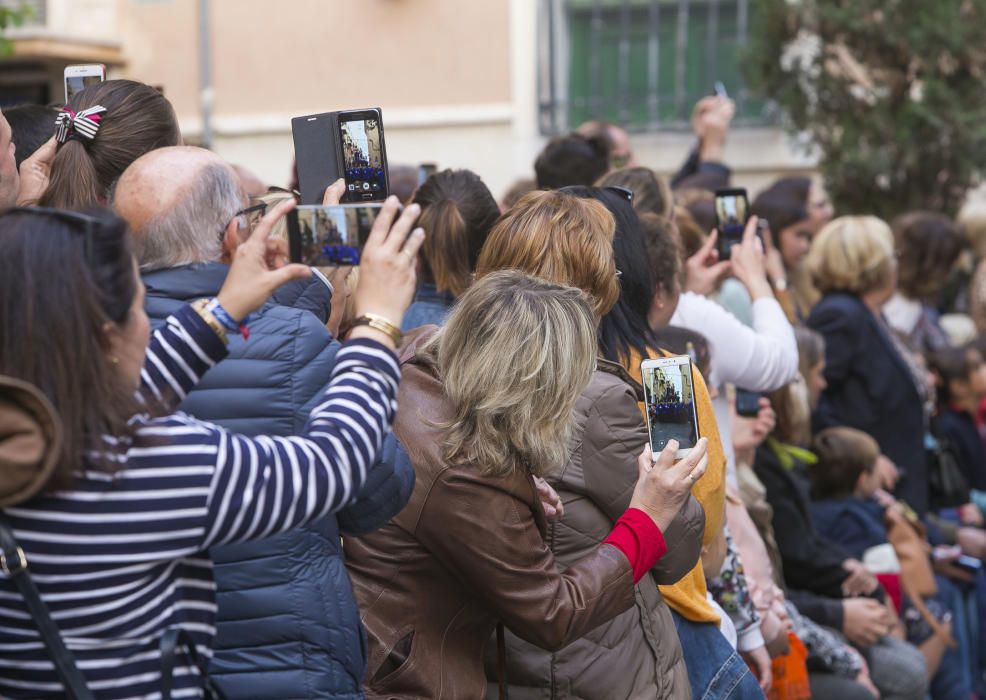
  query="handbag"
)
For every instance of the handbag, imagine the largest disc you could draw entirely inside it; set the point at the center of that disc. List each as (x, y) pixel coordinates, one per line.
(917, 578)
(947, 487)
(14, 565)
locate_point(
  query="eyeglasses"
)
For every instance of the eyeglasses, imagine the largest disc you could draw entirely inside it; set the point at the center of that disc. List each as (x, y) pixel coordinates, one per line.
(253, 214)
(82, 223)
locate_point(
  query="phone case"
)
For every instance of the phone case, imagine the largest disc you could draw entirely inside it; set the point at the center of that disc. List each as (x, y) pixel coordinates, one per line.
(317, 157)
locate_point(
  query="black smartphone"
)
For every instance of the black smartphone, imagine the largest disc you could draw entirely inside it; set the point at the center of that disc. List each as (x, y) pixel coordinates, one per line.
(747, 403)
(364, 156)
(322, 236)
(333, 145)
(732, 211)
(426, 170)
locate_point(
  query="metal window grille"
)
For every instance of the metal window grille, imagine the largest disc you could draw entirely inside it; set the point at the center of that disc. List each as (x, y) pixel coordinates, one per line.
(640, 63)
(37, 10)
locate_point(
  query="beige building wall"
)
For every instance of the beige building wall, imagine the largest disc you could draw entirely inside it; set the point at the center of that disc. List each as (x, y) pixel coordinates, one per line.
(455, 79)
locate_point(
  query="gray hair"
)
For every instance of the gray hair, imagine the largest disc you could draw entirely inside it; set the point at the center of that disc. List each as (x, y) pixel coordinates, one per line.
(191, 231)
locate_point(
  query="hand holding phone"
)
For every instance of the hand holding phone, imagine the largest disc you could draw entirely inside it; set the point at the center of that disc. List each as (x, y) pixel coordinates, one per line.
(663, 486)
(669, 398)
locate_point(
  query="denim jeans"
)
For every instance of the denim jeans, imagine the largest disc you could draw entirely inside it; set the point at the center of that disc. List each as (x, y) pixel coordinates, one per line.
(715, 670)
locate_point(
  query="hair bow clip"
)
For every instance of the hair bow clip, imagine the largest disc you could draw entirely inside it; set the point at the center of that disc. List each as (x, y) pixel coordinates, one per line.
(81, 126)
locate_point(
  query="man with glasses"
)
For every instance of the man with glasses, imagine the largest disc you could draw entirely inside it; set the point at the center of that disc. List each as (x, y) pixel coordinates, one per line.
(287, 623)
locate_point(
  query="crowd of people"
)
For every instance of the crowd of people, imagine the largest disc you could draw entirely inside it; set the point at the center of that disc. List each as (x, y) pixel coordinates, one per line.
(430, 476)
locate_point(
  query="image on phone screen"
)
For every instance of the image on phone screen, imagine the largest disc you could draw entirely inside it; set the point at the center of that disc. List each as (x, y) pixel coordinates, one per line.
(322, 236)
(669, 396)
(362, 157)
(76, 83)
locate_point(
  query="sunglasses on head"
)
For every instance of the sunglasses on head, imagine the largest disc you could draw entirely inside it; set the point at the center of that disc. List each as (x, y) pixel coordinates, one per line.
(81, 223)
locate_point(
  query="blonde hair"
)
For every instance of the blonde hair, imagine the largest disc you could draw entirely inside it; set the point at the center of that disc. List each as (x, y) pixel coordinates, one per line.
(972, 223)
(514, 355)
(852, 254)
(272, 199)
(558, 237)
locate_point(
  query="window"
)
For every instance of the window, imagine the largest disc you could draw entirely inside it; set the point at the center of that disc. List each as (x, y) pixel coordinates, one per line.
(639, 63)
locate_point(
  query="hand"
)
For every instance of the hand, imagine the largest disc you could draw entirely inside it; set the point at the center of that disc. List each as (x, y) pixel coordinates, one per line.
(972, 541)
(969, 514)
(703, 270)
(749, 433)
(773, 260)
(710, 122)
(333, 193)
(387, 265)
(550, 501)
(885, 499)
(863, 621)
(663, 486)
(860, 580)
(887, 472)
(35, 172)
(863, 678)
(256, 270)
(748, 262)
(759, 661)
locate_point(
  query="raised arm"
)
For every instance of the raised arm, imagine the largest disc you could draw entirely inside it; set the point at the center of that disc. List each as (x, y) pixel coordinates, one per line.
(267, 485)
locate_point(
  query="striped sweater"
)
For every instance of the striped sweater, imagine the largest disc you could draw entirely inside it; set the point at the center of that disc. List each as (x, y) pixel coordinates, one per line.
(121, 557)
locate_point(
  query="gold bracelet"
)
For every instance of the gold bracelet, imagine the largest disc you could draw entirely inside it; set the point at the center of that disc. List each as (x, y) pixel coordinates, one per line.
(381, 324)
(210, 319)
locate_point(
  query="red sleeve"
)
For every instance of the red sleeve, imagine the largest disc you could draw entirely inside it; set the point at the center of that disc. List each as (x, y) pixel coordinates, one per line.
(636, 535)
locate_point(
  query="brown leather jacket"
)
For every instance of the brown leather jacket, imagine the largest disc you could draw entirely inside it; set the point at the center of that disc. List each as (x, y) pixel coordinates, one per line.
(636, 654)
(467, 550)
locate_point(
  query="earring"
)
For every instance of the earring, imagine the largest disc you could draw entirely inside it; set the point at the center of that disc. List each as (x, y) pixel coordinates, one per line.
(114, 360)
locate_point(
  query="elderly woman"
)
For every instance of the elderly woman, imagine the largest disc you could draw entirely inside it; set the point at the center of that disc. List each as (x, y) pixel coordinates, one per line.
(487, 404)
(873, 384)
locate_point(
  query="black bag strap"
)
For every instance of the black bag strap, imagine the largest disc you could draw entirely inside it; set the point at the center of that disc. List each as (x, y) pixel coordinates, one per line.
(172, 638)
(14, 564)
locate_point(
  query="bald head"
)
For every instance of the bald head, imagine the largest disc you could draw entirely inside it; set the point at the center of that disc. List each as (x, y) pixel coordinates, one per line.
(177, 201)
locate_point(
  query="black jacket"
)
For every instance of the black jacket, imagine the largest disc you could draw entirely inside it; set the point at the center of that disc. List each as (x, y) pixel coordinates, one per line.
(811, 562)
(870, 388)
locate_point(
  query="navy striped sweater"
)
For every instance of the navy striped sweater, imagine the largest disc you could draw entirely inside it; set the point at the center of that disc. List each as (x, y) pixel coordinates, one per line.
(121, 557)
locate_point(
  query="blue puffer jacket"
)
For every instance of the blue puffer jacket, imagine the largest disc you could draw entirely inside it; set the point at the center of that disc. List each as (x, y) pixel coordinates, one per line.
(288, 625)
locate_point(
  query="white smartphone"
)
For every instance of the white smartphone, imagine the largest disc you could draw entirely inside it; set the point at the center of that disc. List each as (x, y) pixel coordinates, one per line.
(82, 76)
(669, 395)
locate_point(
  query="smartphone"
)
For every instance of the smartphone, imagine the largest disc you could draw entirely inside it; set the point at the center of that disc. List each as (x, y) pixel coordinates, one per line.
(732, 211)
(747, 403)
(669, 397)
(719, 90)
(426, 170)
(82, 76)
(321, 236)
(364, 157)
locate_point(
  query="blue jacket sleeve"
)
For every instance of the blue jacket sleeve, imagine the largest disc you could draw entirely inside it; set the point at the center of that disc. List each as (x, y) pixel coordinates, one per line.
(386, 491)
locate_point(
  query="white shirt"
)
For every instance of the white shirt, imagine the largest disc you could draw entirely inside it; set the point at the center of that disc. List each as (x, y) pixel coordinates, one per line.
(762, 358)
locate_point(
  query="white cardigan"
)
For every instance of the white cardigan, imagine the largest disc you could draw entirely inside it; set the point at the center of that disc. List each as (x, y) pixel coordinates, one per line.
(762, 358)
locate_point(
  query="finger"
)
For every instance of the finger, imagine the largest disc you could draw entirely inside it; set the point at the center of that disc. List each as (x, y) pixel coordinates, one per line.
(750, 232)
(665, 460)
(333, 193)
(695, 456)
(720, 269)
(383, 222)
(45, 154)
(699, 471)
(709, 245)
(400, 231)
(261, 232)
(285, 274)
(414, 243)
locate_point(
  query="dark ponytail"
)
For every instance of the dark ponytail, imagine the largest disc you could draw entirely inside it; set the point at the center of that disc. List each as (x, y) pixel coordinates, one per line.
(138, 119)
(457, 213)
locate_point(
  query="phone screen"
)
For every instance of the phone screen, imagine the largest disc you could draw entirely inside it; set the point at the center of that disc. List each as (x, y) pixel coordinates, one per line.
(76, 83)
(669, 396)
(363, 161)
(732, 211)
(323, 236)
